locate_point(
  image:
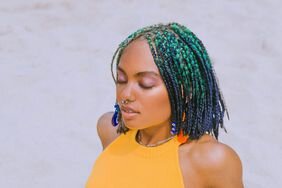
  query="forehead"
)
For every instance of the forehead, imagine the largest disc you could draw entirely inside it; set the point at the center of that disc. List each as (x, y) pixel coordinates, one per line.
(137, 57)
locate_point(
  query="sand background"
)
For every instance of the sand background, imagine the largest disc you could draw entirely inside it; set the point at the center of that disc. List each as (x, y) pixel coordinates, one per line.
(55, 81)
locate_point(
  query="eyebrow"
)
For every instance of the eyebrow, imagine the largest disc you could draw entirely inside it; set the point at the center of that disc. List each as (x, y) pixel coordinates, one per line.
(140, 74)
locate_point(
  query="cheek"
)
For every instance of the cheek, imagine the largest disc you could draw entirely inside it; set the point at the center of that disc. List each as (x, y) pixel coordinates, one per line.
(156, 104)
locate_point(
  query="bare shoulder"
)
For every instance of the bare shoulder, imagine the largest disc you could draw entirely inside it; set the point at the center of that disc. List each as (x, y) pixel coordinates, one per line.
(106, 131)
(216, 164)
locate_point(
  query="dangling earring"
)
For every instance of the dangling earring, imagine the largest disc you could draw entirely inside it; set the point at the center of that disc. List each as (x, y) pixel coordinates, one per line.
(173, 128)
(116, 120)
(116, 115)
(180, 137)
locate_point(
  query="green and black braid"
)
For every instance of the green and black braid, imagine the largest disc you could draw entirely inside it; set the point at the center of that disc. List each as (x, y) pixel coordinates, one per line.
(196, 101)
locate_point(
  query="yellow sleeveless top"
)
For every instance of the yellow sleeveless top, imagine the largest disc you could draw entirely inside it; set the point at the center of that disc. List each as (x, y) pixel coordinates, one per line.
(127, 164)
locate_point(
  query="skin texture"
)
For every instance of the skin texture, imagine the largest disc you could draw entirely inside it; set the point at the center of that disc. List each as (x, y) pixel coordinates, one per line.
(205, 162)
(139, 81)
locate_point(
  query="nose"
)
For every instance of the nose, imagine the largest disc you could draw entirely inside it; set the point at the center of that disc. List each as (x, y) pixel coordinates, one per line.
(125, 92)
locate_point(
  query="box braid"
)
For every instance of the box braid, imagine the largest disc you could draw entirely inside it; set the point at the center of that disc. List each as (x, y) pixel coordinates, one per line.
(196, 101)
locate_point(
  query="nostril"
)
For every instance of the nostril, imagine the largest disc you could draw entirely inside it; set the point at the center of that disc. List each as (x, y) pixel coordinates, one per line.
(126, 91)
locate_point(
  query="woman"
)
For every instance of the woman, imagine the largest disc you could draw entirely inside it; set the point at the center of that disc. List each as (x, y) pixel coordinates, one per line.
(169, 108)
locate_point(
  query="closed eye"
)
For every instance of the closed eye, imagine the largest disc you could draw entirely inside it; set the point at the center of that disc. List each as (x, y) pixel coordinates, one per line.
(145, 87)
(121, 82)
(140, 85)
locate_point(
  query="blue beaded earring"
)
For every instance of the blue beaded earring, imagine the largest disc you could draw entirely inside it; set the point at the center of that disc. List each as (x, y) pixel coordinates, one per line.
(173, 128)
(116, 115)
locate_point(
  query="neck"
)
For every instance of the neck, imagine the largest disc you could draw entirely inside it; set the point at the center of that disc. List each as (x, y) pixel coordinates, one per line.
(154, 134)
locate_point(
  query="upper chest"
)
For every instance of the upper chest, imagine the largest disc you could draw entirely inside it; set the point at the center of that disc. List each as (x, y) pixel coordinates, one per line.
(125, 163)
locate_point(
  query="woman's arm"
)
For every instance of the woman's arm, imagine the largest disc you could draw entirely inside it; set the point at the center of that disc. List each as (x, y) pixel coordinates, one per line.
(106, 131)
(225, 169)
(210, 163)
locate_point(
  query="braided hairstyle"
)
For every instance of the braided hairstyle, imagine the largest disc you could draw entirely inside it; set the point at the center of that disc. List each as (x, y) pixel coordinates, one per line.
(195, 98)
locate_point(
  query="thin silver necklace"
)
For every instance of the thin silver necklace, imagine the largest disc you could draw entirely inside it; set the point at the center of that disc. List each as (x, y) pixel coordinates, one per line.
(152, 145)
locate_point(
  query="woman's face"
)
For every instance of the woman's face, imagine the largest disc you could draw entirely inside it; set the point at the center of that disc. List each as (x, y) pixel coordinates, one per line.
(139, 81)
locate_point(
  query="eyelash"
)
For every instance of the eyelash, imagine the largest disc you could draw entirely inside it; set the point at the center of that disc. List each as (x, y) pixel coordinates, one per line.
(145, 87)
(142, 86)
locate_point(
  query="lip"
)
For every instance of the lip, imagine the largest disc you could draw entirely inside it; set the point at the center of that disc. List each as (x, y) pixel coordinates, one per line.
(128, 109)
(128, 113)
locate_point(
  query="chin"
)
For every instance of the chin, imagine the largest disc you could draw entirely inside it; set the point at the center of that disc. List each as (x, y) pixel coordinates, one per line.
(132, 125)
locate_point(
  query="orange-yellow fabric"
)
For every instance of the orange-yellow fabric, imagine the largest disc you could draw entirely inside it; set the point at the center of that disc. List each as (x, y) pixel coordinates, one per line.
(127, 164)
